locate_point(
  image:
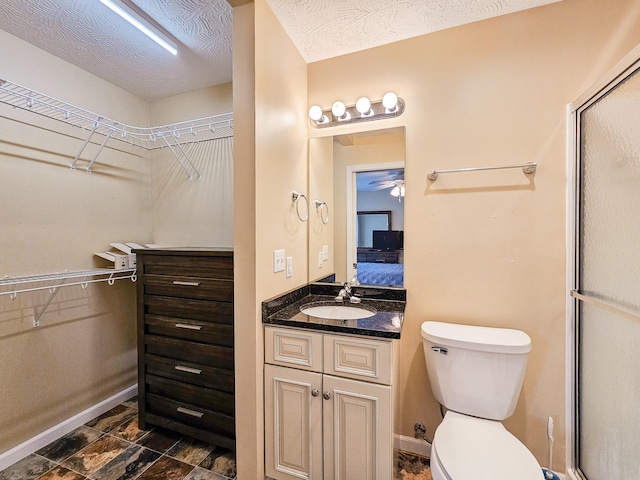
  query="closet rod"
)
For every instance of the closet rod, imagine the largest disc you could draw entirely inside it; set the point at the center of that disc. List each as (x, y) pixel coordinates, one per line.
(83, 277)
(205, 128)
(527, 168)
(610, 307)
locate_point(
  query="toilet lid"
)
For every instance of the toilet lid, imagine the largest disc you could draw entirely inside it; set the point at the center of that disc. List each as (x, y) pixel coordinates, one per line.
(469, 448)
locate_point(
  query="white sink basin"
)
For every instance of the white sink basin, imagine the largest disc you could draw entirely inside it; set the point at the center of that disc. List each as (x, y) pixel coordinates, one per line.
(337, 312)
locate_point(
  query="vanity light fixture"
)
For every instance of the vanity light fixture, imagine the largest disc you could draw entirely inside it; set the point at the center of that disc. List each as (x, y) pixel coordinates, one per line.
(339, 111)
(317, 115)
(363, 105)
(390, 102)
(142, 24)
(364, 110)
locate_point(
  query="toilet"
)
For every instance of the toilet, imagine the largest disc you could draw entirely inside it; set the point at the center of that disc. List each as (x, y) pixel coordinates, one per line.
(476, 373)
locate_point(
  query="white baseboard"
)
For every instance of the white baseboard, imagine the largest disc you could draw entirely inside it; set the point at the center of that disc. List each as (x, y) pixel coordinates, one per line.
(34, 444)
(412, 445)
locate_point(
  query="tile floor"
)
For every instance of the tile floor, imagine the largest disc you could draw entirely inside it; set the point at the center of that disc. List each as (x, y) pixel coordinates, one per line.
(112, 447)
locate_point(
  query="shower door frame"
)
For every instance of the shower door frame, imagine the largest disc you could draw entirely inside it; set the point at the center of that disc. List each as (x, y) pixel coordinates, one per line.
(623, 69)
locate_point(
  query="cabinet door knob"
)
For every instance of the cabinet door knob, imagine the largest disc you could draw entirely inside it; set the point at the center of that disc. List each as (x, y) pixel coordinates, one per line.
(326, 395)
(315, 392)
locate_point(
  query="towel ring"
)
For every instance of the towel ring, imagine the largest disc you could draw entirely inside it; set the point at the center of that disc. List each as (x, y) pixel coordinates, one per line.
(295, 196)
(320, 206)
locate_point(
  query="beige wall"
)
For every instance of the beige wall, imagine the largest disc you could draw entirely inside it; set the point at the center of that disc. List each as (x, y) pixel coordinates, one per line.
(197, 213)
(488, 248)
(53, 219)
(264, 212)
(248, 344)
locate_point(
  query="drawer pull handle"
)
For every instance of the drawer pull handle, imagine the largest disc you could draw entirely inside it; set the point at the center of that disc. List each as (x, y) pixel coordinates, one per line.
(326, 395)
(315, 392)
(186, 284)
(188, 411)
(182, 368)
(188, 327)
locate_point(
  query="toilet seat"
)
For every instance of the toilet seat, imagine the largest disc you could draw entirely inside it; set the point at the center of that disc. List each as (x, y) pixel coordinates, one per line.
(470, 448)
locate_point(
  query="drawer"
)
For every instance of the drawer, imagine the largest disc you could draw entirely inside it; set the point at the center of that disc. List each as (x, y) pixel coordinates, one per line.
(187, 414)
(198, 331)
(189, 287)
(213, 400)
(211, 355)
(205, 310)
(362, 359)
(220, 267)
(293, 348)
(190, 372)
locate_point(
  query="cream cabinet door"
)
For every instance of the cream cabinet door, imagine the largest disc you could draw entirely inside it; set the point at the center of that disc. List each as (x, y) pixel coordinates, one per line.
(357, 430)
(293, 423)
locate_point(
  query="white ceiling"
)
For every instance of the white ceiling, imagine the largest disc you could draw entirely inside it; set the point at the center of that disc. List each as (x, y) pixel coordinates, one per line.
(90, 36)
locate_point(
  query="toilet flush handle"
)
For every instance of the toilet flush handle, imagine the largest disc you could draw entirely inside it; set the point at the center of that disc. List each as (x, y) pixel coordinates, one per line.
(441, 350)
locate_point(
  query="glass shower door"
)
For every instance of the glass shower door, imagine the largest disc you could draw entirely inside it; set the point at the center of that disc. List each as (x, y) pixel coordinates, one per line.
(608, 285)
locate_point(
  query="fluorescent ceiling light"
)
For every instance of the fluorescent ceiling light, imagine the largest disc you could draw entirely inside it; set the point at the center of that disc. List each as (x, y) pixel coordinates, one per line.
(141, 24)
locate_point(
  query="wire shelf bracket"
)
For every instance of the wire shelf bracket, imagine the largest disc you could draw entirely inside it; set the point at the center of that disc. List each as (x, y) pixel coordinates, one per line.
(149, 138)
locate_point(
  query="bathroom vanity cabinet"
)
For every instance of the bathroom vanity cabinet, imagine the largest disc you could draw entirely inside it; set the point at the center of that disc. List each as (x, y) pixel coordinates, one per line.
(328, 405)
(185, 342)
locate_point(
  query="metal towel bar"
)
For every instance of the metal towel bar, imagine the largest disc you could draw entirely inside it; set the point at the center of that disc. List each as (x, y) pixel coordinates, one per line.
(610, 307)
(527, 168)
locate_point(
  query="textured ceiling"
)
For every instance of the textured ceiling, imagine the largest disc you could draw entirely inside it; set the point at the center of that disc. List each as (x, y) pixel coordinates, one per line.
(322, 29)
(90, 36)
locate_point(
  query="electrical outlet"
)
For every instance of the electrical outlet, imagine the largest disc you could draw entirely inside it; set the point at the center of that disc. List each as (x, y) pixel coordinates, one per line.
(289, 267)
(320, 259)
(325, 252)
(278, 261)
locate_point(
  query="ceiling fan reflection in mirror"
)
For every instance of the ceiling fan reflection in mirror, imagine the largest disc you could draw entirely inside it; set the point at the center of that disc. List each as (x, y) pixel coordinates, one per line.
(388, 179)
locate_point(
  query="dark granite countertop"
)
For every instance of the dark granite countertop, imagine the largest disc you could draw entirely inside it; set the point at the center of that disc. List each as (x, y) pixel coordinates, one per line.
(385, 323)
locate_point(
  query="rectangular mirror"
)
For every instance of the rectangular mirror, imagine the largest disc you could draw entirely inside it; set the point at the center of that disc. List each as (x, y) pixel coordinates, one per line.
(356, 187)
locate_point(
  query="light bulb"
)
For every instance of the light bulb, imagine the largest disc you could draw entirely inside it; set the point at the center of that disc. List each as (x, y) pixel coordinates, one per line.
(315, 112)
(339, 109)
(390, 101)
(363, 105)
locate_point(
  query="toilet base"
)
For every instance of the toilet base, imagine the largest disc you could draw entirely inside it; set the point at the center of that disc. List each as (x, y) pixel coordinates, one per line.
(434, 463)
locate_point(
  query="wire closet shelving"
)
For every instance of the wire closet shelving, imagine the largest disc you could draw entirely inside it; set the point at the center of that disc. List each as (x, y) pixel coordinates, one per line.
(172, 136)
(12, 286)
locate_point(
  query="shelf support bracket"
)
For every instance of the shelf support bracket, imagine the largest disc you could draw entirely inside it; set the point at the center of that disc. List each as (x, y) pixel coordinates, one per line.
(53, 292)
(95, 157)
(180, 161)
(84, 145)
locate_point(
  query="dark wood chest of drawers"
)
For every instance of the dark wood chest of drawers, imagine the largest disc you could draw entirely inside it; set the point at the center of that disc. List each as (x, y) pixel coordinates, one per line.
(185, 342)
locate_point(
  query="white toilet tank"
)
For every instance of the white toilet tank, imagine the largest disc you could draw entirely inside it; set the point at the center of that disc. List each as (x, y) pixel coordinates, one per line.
(473, 370)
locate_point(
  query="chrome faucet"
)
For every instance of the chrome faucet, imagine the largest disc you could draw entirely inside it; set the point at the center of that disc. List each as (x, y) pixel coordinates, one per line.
(346, 292)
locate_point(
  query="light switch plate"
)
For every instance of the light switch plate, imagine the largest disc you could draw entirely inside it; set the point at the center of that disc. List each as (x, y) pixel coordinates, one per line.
(325, 252)
(278, 261)
(289, 267)
(320, 259)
